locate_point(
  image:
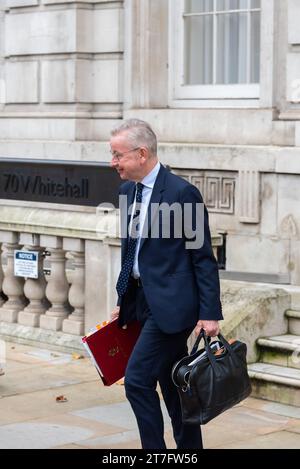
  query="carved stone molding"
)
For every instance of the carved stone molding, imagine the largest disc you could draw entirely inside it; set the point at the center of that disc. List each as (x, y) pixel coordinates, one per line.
(217, 188)
(249, 196)
(288, 227)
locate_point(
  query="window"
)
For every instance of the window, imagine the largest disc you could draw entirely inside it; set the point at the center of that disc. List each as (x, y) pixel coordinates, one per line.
(216, 49)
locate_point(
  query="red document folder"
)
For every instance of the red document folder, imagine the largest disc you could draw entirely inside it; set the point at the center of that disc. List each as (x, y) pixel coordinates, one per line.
(110, 348)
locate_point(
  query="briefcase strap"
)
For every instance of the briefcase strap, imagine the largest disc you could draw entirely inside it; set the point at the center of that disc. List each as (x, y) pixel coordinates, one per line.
(208, 350)
(196, 344)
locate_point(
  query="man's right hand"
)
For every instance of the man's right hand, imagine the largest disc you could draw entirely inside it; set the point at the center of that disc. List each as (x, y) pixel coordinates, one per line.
(211, 328)
(115, 313)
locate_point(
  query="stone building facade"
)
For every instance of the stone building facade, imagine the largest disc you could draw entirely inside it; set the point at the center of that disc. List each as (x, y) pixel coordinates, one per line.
(219, 80)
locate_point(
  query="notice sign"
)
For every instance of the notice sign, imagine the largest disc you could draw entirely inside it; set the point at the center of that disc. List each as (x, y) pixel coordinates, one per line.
(26, 264)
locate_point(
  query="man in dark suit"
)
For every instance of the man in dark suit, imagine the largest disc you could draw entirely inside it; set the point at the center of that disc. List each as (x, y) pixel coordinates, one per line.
(169, 282)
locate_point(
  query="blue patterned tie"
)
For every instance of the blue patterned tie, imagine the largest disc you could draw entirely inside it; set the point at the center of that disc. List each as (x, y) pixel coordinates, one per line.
(127, 266)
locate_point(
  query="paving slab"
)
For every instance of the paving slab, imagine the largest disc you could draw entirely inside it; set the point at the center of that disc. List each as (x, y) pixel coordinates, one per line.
(29, 435)
(294, 428)
(277, 440)
(96, 416)
(119, 413)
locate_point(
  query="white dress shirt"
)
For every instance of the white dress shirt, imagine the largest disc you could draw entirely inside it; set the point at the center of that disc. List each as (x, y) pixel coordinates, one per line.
(148, 183)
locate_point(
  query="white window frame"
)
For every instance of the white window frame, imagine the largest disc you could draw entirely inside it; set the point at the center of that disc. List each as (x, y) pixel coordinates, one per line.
(181, 95)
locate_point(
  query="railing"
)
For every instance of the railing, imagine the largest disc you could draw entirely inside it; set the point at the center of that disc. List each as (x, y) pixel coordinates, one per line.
(74, 249)
(79, 260)
(56, 303)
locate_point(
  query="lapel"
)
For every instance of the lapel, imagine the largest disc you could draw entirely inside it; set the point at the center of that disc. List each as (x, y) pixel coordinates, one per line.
(156, 197)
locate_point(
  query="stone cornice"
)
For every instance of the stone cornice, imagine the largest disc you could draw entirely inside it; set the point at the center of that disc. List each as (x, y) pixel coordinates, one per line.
(54, 222)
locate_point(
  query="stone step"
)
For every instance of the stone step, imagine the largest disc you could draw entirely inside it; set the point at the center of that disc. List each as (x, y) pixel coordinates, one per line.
(283, 350)
(275, 383)
(294, 321)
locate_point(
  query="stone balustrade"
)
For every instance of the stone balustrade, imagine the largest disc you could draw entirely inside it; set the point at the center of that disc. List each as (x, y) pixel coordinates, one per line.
(73, 253)
(51, 302)
(78, 264)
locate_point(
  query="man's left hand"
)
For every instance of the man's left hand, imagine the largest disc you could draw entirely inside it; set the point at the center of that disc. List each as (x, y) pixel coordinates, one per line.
(211, 328)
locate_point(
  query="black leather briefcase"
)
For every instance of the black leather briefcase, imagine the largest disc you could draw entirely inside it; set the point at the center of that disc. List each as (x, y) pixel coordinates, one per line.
(211, 380)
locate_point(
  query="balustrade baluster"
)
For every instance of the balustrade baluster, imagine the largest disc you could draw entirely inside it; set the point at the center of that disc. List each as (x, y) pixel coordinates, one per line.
(57, 288)
(12, 286)
(34, 289)
(74, 324)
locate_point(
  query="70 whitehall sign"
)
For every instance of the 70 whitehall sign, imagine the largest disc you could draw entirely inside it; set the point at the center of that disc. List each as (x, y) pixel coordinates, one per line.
(37, 185)
(88, 183)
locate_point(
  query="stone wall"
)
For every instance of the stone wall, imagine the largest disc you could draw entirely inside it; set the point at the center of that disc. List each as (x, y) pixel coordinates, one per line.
(69, 70)
(244, 156)
(62, 69)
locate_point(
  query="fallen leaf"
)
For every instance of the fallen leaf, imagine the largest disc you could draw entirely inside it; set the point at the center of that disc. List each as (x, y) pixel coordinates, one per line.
(61, 399)
(77, 356)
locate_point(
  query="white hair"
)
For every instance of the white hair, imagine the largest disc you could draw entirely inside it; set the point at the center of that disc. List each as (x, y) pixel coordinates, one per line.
(140, 133)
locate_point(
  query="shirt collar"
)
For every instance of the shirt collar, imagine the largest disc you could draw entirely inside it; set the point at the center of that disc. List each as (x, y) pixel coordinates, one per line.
(149, 180)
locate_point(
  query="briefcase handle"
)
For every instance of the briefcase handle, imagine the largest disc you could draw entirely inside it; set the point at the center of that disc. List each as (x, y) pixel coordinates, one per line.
(201, 335)
(210, 354)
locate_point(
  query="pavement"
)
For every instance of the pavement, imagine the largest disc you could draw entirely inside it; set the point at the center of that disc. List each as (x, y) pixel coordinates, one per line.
(49, 399)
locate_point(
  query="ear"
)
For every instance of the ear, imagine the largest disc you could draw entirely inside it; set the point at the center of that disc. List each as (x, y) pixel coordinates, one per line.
(144, 153)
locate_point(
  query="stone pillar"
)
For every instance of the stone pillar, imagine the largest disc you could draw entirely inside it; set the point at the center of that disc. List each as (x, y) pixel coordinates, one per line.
(2, 61)
(146, 54)
(293, 67)
(34, 289)
(293, 56)
(12, 286)
(74, 324)
(57, 288)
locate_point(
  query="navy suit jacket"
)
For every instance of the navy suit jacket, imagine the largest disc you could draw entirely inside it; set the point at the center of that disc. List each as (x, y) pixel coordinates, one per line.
(181, 285)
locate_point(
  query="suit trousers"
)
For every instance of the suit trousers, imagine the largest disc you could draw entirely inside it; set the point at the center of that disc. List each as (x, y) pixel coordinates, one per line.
(150, 363)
